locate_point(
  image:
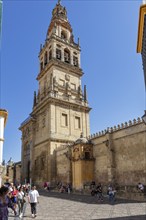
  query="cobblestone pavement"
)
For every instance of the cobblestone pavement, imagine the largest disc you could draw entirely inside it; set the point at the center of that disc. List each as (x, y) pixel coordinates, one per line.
(61, 206)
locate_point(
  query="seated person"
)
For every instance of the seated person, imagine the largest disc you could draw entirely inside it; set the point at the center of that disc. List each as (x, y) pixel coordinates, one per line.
(140, 187)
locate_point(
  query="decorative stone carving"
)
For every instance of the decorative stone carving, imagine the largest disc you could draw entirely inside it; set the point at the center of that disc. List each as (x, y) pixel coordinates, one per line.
(55, 84)
(67, 77)
(68, 89)
(80, 92)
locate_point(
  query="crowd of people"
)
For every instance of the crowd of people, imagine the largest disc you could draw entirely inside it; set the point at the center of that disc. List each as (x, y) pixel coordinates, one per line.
(15, 197)
(64, 187)
(61, 187)
(97, 190)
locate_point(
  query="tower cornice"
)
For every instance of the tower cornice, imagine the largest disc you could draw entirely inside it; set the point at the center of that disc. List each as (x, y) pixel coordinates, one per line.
(60, 40)
(60, 65)
(59, 102)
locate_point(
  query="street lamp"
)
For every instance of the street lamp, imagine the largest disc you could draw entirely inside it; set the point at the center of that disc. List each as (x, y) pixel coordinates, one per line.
(144, 117)
(3, 119)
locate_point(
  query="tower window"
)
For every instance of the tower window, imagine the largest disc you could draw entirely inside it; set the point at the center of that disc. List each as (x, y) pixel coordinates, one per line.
(67, 56)
(64, 120)
(75, 61)
(42, 163)
(46, 58)
(77, 122)
(75, 53)
(50, 54)
(87, 155)
(41, 66)
(58, 54)
(63, 35)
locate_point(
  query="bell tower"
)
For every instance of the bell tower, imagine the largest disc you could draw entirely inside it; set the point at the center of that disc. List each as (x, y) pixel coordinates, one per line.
(60, 109)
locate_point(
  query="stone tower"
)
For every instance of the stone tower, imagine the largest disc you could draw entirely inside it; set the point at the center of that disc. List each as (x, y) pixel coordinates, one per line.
(60, 108)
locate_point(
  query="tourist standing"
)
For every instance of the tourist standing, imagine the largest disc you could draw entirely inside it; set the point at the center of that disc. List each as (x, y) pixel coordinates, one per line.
(5, 202)
(14, 194)
(111, 193)
(140, 187)
(33, 200)
(21, 201)
(45, 185)
(99, 192)
(68, 188)
(48, 186)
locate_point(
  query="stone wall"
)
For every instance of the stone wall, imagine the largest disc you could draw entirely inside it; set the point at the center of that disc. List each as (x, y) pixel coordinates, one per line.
(119, 157)
(63, 164)
(120, 154)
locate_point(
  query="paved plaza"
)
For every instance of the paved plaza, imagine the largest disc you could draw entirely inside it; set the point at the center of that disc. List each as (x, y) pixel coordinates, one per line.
(61, 206)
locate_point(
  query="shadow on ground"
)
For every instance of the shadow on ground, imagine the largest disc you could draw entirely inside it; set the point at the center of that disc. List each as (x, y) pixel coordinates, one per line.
(137, 217)
(85, 198)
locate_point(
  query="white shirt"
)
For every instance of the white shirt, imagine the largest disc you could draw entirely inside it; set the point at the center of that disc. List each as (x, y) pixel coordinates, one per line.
(20, 195)
(33, 195)
(10, 188)
(141, 186)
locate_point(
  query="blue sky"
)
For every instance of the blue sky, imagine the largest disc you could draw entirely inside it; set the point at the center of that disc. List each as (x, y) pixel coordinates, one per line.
(113, 70)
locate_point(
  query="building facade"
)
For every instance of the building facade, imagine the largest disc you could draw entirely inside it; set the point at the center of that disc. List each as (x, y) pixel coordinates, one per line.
(13, 173)
(141, 39)
(56, 141)
(60, 111)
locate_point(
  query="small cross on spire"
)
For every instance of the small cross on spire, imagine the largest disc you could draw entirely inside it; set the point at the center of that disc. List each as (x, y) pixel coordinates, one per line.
(59, 2)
